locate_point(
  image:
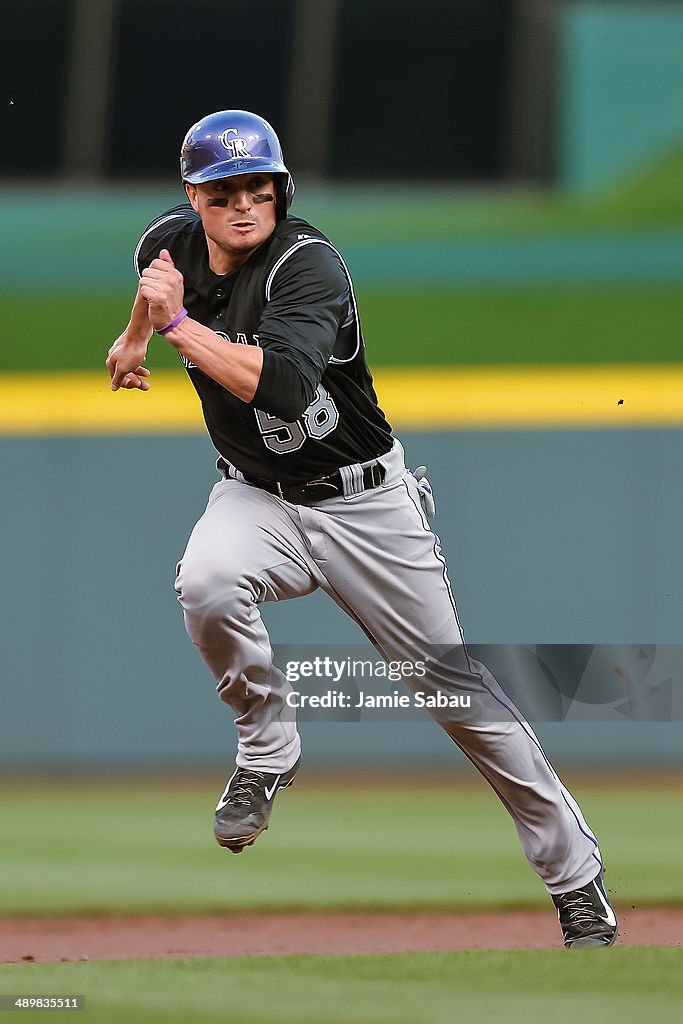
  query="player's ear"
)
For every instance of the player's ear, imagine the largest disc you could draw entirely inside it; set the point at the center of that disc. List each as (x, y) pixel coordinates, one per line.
(191, 193)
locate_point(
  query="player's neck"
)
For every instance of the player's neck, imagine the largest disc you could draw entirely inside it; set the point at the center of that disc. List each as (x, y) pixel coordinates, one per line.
(224, 261)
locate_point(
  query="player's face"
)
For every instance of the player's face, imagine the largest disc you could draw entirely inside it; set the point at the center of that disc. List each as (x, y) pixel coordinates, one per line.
(238, 215)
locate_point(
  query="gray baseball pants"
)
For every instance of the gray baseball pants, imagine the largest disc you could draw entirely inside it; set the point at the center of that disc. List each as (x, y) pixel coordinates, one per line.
(375, 555)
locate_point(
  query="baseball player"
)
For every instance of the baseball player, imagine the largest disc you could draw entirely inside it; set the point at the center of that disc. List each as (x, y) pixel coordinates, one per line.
(314, 492)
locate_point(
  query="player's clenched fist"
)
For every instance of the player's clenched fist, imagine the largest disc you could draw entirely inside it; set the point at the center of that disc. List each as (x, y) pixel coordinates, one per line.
(163, 287)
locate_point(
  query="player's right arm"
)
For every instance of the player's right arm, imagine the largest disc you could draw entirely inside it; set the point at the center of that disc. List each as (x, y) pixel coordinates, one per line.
(126, 356)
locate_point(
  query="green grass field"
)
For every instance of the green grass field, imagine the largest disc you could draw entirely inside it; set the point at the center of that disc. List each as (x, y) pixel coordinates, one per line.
(117, 847)
(624, 986)
(136, 845)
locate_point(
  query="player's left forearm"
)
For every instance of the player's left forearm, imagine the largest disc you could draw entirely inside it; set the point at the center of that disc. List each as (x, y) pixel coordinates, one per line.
(236, 367)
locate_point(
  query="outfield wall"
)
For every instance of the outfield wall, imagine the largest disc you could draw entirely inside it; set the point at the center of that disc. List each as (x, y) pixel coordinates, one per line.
(552, 537)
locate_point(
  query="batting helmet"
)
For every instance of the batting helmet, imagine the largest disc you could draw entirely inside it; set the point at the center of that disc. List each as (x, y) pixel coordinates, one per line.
(235, 142)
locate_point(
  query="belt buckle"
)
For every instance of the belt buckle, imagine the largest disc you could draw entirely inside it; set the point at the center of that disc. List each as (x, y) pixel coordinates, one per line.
(375, 481)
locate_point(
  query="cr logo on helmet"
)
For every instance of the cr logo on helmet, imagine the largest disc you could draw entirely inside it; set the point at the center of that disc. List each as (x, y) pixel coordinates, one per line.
(237, 146)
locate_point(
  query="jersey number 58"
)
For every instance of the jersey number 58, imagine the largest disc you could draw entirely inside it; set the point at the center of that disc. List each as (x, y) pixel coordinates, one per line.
(319, 420)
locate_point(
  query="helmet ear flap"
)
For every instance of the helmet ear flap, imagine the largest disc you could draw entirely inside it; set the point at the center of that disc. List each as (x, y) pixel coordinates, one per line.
(284, 194)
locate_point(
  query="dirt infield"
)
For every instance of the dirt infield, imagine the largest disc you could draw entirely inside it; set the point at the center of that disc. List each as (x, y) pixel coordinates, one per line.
(43, 940)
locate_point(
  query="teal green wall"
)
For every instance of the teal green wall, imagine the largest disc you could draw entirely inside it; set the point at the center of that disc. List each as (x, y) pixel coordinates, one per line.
(620, 86)
(552, 537)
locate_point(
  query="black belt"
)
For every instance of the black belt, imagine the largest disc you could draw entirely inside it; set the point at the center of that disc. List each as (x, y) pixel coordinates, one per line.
(320, 489)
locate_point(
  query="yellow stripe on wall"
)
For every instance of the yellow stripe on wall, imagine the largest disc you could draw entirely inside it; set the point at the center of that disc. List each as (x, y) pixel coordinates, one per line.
(609, 396)
(83, 403)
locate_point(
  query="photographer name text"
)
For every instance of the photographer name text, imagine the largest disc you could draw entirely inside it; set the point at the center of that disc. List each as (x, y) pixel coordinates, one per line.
(339, 699)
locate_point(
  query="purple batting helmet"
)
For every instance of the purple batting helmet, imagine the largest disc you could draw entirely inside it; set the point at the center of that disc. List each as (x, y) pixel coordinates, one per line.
(235, 142)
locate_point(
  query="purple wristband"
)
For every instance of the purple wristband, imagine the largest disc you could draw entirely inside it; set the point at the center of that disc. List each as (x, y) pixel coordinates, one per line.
(174, 323)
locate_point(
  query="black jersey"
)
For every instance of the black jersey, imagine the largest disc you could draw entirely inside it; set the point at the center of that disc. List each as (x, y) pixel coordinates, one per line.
(315, 408)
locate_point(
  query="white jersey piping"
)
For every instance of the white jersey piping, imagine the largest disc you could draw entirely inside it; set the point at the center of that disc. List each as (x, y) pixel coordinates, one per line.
(320, 241)
(152, 227)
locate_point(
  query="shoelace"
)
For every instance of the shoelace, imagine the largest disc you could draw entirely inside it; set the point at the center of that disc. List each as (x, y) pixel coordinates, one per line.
(245, 787)
(579, 908)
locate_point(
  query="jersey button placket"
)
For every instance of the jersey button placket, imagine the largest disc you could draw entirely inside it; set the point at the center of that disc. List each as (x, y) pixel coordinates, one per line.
(219, 294)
